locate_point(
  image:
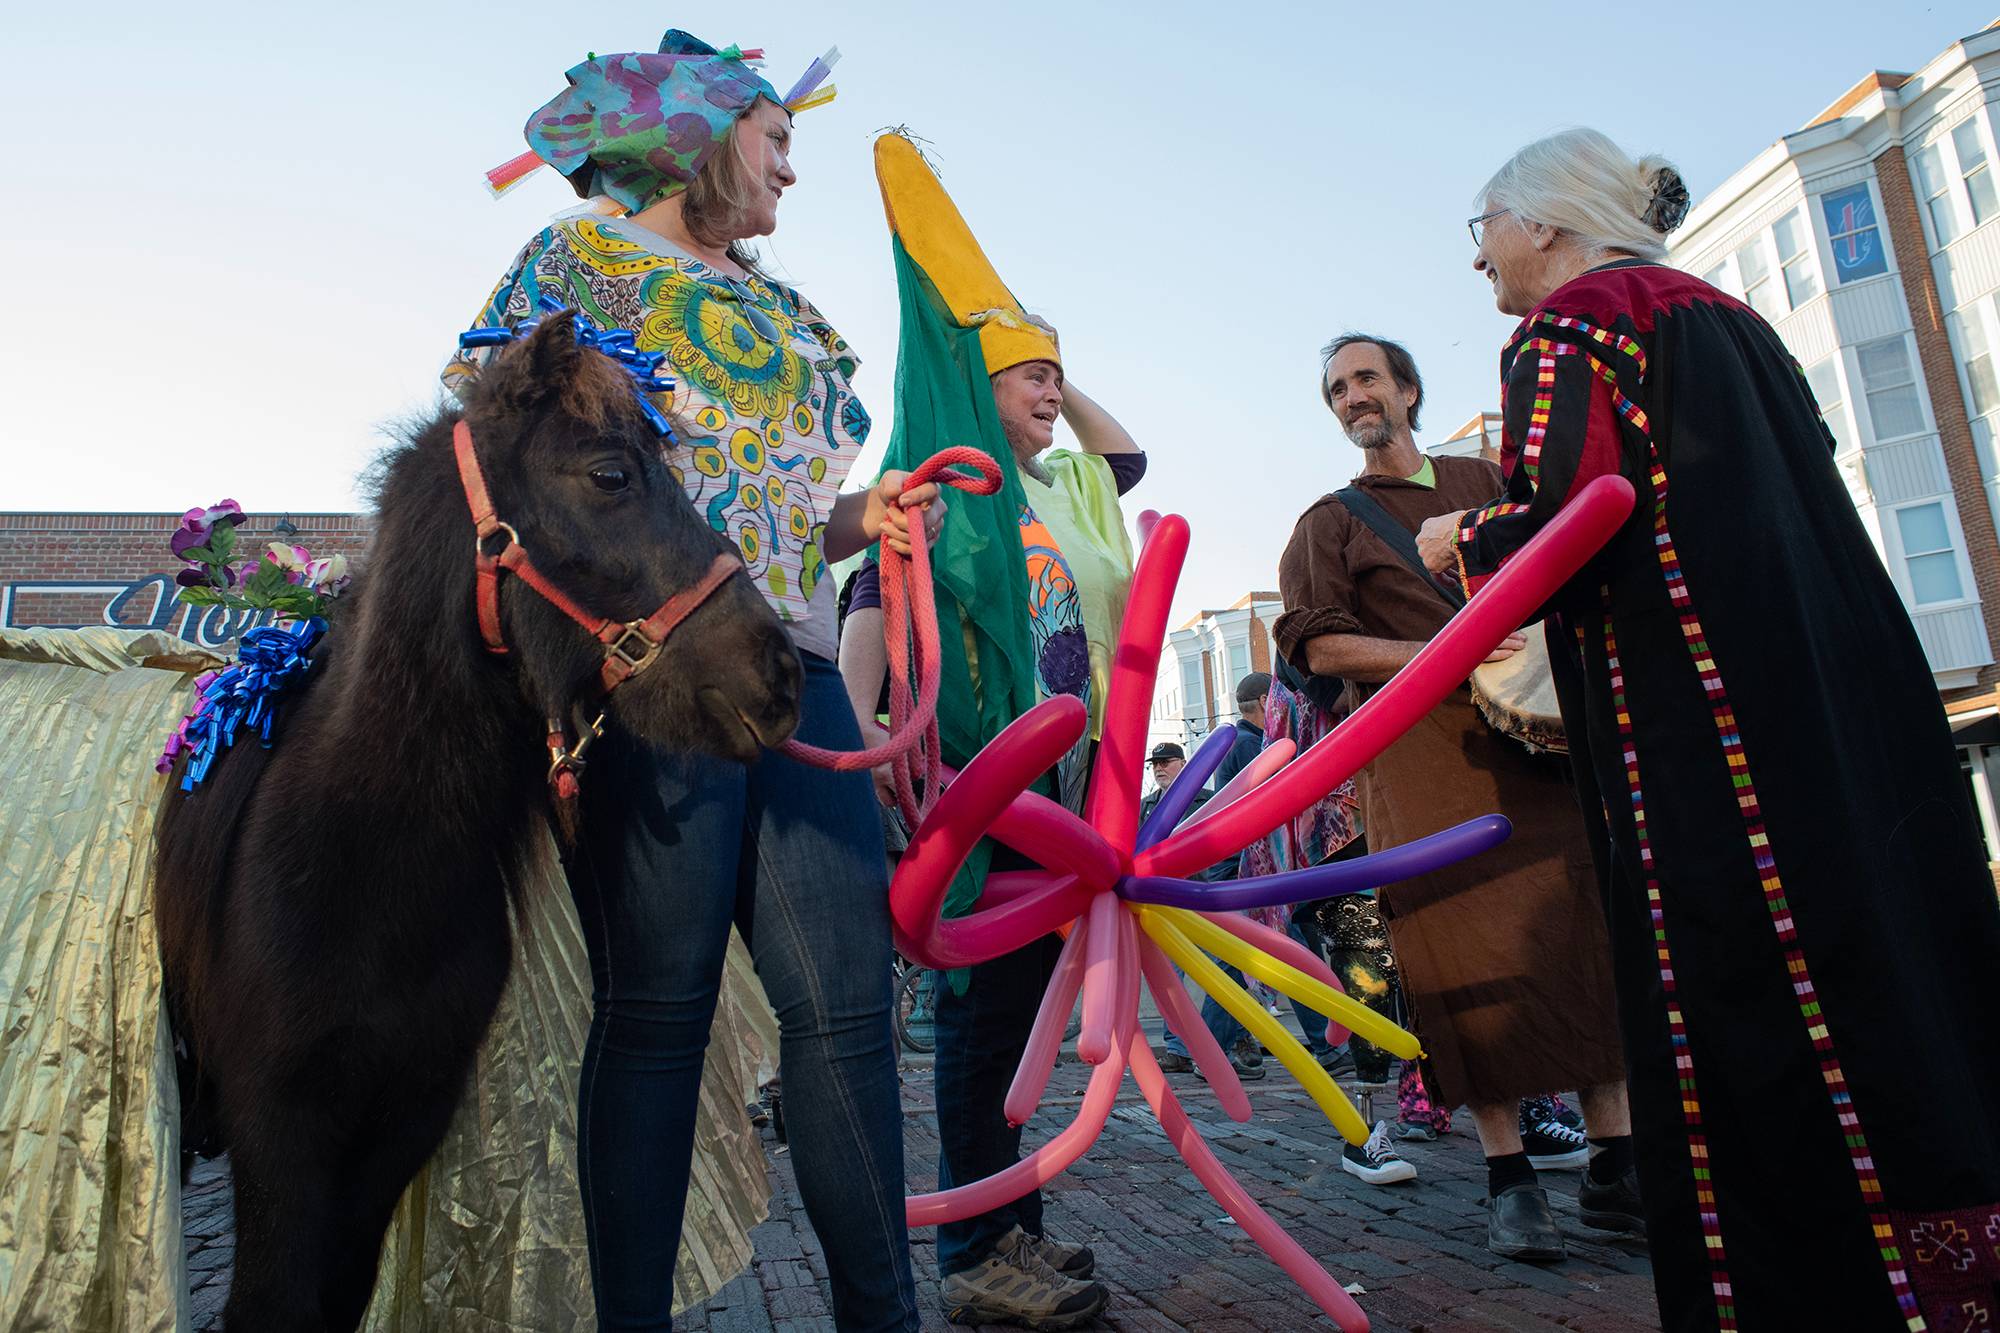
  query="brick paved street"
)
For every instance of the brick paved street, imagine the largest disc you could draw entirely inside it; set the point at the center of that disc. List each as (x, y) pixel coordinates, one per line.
(1170, 1256)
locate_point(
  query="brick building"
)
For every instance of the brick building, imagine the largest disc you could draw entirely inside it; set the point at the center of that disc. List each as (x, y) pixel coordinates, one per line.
(71, 570)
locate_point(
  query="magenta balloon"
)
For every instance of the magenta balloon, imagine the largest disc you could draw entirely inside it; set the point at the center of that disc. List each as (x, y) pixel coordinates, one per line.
(991, 932)
(1328, 880)
(1040, 828)
(1112, 806)
(1274, 756)
(1031, 1076)
(1256, 1223)
(1286, 950)
(1023, 751)
(1503, 605)
(1186, 786)
(1181, 1015)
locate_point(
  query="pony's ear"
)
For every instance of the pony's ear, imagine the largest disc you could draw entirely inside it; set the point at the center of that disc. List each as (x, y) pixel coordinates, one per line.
(552, 353)
(535, 369)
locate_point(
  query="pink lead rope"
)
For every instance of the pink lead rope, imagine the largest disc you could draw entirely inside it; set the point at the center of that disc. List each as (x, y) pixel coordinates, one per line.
(910, 632)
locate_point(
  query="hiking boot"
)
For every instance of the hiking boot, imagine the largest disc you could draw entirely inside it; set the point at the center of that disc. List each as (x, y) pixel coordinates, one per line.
(1614, 1206)
(1520, 1226)
(1336, 1061)
(1070, 1260)
(1550, 1144)
(1015, 1286)
(1247, 1052)
(1173, 1062)
(1376, 1161)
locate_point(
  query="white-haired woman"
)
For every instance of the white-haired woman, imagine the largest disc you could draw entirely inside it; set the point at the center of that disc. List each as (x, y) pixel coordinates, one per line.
(1798, 899)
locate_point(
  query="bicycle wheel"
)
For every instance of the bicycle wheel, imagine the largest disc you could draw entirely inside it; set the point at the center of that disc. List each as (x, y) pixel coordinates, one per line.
(915, 1016)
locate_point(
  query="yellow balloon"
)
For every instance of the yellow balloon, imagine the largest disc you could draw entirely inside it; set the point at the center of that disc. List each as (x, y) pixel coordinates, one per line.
(1280, 975)
(1254, 1016)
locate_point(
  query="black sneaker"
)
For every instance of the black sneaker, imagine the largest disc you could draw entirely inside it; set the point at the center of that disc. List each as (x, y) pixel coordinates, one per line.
(1550, 1144)
(1245, 1073)
(1173, 1062)
(1612, 1207)
(1376, 1161)
(1336, 1061)
(1248, 1053)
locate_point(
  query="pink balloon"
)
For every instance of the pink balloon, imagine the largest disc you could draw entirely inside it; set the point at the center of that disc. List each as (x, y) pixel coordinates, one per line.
(1268, 761)
(1026, 748)
(1100, 981)
(1112, 807)
(1035, 1170)
(1286, 950)
(1006, 886)
(1270, 1237)
(1503, 605)
(1031, 1078)
(1185, 1019)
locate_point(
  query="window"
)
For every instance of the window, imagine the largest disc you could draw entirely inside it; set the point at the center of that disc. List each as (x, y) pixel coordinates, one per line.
(1934, 190)
(1194, 699)
(1979, 188)
(1239, 664)
(1928, 554)
(1823, 379)
(1982, 386)
(1758, 289)
(1718, 277)
(1795, 257)
(1889, 382)
(1852, 236)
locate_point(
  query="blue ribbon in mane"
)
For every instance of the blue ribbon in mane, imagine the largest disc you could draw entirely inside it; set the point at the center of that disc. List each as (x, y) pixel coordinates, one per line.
(245, 695)
(618, 344)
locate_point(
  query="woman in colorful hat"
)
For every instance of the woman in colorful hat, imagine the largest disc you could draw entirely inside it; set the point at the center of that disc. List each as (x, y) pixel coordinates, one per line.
(1036, 578)
(692, 145)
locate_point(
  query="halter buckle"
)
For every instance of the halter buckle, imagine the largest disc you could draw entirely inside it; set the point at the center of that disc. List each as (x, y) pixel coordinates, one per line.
(634, 629)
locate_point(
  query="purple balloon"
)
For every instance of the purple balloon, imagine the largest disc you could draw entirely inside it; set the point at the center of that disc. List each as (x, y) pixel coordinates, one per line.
(1173, 806)
(1329, 880)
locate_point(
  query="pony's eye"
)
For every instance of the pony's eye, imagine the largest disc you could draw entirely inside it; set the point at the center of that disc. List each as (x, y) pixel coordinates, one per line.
(610, 480)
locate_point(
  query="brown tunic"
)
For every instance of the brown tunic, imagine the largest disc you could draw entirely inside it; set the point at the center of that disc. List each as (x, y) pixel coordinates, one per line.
(1504, 956)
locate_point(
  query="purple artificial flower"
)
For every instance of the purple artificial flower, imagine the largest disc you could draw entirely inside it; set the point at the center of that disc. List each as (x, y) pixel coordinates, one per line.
(197, 524)
(328, 576)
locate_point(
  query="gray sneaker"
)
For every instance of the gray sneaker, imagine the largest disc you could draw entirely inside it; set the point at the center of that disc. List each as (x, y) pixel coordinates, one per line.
(1015, 1285)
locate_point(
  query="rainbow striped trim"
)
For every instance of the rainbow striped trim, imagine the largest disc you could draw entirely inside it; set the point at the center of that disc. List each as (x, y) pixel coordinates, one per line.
(1704, 1176)
(1780, 909)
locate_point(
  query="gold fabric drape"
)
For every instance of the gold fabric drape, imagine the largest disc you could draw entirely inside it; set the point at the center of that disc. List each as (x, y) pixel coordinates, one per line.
(489, 1237)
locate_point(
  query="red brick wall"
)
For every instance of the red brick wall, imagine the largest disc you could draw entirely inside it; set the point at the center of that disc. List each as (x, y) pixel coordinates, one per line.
(1961, 461)
(117, 569)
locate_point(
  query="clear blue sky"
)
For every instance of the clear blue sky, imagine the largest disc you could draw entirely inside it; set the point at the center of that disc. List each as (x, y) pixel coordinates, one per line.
(240, 239)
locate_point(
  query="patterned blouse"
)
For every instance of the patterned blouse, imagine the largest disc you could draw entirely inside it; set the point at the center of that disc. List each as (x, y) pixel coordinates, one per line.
(762, 395)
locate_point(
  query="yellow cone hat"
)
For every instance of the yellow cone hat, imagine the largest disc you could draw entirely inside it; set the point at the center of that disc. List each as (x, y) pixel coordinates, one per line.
(923, 218)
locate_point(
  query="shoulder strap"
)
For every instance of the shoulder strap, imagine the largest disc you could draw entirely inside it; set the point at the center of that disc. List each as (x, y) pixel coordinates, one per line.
(1397, 537)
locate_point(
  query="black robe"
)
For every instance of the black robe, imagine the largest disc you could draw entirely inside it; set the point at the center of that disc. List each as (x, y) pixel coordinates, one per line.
(1800, 908)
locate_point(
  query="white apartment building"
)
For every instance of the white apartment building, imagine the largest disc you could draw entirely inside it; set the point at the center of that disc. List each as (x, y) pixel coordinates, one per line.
(1871, 241)
(1203, 660)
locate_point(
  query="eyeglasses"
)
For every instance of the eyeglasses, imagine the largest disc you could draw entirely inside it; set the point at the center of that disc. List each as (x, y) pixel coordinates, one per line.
(1477, 226)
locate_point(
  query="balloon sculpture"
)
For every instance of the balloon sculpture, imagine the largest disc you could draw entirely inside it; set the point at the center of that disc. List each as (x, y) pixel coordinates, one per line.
(1121, 884)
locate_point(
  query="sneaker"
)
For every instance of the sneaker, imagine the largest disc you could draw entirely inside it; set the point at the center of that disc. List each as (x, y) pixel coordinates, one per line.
(1612, 1207)
(1519, 1225)
(1173, 1062)
(1246, 1052)
(1550, 1144)
(1070, 1260)
(1376, 1161)
(1015, 1286)
(1336, 1061)
(1416, 1131)
(1245, 1073)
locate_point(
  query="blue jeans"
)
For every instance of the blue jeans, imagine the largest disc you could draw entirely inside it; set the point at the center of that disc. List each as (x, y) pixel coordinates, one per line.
(980, 1037)
(1227, 1031)
(673, 849)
